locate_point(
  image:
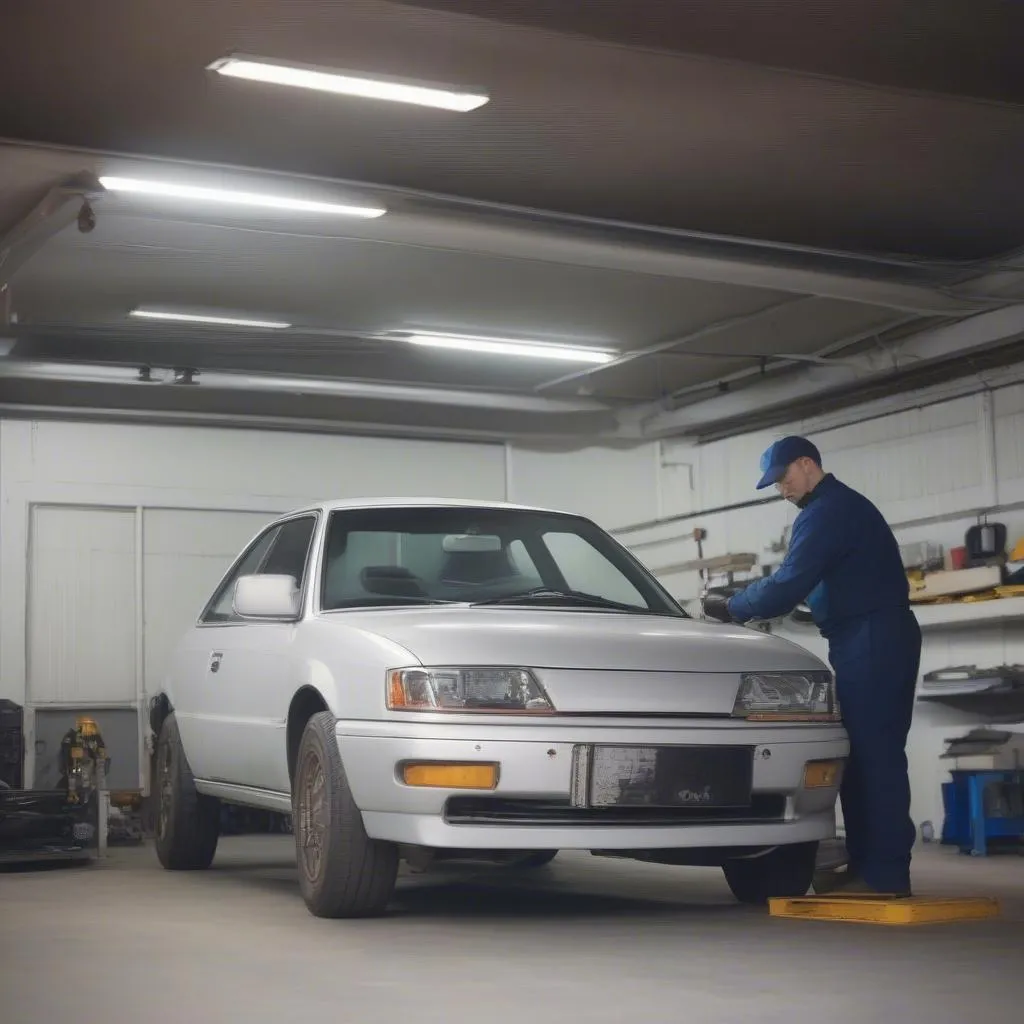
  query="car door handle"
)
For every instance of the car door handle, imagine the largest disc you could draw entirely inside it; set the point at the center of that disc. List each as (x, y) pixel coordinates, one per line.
(215, 660)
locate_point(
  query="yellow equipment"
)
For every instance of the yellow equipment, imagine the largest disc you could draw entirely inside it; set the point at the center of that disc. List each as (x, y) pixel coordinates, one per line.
(82, 751)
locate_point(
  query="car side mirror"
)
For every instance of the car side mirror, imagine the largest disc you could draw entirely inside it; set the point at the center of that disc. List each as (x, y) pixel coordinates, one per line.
(266, 597)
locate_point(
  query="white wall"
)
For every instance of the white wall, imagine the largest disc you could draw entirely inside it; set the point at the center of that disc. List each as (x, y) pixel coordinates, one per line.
(615, 487)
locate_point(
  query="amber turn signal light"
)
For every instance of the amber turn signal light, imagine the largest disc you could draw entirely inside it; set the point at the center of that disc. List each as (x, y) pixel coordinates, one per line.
(821, 774)
(439, 775)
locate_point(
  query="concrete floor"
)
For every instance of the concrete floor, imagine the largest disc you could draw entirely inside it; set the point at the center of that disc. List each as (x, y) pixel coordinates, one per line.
(584, 939)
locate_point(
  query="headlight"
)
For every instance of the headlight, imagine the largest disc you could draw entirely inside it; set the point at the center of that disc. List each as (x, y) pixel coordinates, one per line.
(787, 697)
(480, 690)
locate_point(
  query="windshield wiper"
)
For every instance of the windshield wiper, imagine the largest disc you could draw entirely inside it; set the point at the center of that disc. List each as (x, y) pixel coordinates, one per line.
(577, 597)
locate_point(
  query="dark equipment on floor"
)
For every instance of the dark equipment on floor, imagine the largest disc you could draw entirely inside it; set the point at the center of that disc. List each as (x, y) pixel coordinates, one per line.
(65, 823)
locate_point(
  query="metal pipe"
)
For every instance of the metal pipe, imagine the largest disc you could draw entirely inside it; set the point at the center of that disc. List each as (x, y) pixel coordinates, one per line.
(943, 343)
(689, 516)
(287, 424)
(819, 356)
(126, 375)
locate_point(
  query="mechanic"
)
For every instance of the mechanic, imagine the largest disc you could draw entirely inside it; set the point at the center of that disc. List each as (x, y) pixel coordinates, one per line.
(843, 560)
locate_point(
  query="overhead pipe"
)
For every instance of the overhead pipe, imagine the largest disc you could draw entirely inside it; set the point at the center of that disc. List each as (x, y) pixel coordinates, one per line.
(286, 424)
(685, 517)
(342, 388)
(673, 344)
(959, 339)
(822, 357)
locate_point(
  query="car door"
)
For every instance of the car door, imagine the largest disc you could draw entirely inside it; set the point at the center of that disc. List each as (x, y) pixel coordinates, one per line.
(196, 704)
(248, 678)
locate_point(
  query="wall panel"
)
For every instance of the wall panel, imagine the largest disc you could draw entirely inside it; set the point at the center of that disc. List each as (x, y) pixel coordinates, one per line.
(82, 606)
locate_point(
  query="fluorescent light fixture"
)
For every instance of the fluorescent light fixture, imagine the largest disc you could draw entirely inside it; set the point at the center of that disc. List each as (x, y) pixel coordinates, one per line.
(508, 347)
(231, 197)
(200, 318)
(308, 76)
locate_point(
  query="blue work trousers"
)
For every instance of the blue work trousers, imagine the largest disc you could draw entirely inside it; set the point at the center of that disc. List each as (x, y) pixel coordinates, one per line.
(876, 659)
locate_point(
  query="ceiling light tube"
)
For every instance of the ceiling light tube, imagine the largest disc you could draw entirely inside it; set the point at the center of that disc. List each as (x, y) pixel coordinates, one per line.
(200, 318)
(231, 197)
(509, 347)
(346, 83)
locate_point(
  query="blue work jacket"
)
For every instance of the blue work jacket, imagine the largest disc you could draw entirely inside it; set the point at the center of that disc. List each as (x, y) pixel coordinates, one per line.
(843, 561)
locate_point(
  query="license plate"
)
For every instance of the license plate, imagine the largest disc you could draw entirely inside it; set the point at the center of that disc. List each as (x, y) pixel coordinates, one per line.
(697, 777)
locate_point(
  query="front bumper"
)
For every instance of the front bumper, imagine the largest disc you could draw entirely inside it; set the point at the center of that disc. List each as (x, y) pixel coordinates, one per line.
(536, 770)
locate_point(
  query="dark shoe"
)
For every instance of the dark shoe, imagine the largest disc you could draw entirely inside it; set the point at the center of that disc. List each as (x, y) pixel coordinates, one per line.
(828, 880)
(857, 888)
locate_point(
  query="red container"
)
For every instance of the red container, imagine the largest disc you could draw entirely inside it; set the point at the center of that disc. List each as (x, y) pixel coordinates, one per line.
(958, 557)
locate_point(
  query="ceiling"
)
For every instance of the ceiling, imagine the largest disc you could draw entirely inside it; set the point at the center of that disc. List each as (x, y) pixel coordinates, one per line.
(727, 195)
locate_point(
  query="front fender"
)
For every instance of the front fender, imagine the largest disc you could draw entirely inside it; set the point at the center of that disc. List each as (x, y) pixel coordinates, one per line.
(347, 666)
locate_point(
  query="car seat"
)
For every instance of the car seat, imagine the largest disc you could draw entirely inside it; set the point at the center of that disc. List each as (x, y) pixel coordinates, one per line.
(475, 567)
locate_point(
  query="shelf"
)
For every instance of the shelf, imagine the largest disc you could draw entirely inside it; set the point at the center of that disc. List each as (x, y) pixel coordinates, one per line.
(960, 616)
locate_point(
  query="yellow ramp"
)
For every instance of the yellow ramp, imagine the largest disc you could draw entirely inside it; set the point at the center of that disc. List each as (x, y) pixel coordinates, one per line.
(914, 910)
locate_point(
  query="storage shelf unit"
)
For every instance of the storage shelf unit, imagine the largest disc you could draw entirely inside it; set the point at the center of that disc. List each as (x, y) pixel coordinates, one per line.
(959, 616)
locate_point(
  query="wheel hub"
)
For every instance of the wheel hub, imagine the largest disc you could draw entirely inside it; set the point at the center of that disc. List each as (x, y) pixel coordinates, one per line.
(312, 824)
(165, 778)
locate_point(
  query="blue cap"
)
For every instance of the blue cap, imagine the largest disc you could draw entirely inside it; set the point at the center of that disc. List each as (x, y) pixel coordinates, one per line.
(781, 455)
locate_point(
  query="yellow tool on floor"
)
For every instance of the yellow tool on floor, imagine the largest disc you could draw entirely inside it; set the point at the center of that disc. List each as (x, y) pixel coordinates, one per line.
(912, 910)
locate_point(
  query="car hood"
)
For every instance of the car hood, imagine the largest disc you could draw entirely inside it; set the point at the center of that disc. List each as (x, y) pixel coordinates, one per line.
(575, 639)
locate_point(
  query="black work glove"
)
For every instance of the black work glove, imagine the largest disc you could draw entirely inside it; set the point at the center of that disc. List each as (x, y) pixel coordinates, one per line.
(716, 606)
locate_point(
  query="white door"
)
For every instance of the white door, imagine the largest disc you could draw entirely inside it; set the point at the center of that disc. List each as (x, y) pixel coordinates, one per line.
(82, 608)
(243, 677)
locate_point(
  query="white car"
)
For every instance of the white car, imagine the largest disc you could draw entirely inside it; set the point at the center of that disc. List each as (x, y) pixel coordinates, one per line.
(434, 679)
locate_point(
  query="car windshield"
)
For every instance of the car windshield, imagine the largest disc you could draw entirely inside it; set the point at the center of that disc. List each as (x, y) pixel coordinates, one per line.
(501, 557)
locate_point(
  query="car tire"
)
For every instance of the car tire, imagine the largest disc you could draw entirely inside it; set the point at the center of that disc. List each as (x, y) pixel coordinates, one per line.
(342, 872)
(786, 871)
(187, 823)
(539, 859)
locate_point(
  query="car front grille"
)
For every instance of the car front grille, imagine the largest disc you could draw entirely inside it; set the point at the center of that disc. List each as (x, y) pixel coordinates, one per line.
(475, 810)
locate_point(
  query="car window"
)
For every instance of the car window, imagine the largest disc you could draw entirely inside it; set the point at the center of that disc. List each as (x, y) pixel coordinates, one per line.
(219, 608)
(586, 569)
(283, 549)
(288, 553)
(410, 555)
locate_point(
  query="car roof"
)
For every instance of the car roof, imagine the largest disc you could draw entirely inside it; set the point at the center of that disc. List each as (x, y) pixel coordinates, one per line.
(408, 502)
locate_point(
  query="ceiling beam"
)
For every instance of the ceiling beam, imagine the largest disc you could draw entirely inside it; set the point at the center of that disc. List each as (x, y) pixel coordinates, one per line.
(905, 286)
(960, 339)
(450, 223)
(288, 424)
(821, 357)
(61, 205)
(94, 373)
(672, 344)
